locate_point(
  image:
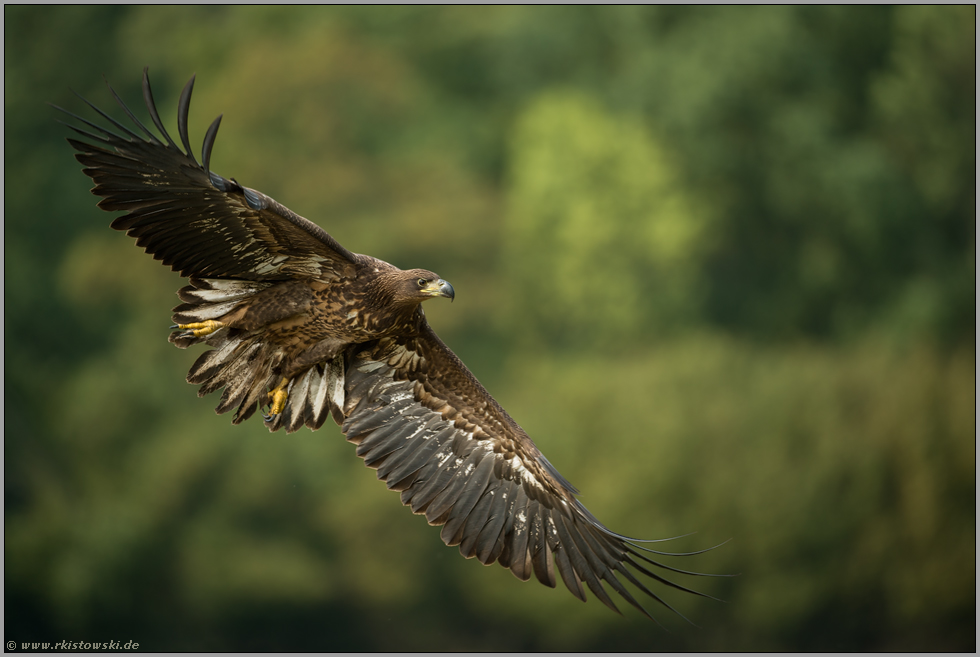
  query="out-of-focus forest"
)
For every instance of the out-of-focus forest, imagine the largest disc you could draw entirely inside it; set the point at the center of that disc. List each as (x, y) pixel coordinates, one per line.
(719, 262)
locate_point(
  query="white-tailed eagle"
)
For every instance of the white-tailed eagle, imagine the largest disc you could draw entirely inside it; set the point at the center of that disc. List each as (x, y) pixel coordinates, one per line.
(302, 327)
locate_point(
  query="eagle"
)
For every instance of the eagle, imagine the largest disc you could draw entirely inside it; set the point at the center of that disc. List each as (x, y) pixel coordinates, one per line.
(301, 329)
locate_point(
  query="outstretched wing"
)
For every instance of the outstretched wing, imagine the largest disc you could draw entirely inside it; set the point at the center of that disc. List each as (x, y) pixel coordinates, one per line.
(199, 223)
(423, 421)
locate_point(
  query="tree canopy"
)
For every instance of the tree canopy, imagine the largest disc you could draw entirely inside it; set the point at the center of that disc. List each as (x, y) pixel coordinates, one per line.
(755, 225)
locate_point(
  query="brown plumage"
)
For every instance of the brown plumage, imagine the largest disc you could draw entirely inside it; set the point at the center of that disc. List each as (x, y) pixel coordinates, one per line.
(298, 323)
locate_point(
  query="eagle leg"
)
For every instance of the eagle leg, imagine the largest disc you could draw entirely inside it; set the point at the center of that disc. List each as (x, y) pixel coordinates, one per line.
(198, 329)
(277, 400)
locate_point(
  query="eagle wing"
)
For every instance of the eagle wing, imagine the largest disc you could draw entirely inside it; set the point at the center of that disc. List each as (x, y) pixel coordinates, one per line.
(197, 222)
(432, 431)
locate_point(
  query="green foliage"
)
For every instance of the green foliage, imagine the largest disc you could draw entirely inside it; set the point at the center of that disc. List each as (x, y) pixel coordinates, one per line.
(718, 261)
(927, 111)
(597, 227)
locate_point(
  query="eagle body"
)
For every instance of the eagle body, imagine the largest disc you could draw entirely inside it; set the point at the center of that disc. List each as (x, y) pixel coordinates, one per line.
(312, 320)
(297, 323)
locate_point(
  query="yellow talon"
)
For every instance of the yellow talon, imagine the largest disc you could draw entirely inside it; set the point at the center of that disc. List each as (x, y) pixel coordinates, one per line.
(199, 329)
(278, 398)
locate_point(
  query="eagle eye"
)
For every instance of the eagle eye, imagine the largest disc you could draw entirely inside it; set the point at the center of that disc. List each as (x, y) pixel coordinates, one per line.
(421, 282)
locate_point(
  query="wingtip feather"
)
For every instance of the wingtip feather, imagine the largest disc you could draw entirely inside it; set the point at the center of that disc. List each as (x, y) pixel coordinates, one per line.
(183, 109)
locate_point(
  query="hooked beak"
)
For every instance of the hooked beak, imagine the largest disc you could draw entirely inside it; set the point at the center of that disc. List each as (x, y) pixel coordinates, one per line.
(440, 288)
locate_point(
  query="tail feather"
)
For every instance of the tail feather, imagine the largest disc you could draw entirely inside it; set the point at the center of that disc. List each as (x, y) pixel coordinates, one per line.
(206, 366)
(233, 395)
(244, 412)
(296, 410)
(233, 369)
(314, 396)
(265, 377)
(318, 404)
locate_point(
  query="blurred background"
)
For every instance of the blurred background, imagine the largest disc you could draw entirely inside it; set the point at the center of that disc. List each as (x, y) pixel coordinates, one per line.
(719, 262)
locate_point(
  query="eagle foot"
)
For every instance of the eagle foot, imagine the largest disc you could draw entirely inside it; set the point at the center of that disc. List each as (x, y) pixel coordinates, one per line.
(277, 400)
(198, 329)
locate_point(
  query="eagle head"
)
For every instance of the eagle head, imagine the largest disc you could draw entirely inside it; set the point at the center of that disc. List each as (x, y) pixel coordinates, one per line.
(421, 284)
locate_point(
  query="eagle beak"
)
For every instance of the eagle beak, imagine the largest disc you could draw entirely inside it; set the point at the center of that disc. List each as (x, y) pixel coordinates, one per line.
(440, 288)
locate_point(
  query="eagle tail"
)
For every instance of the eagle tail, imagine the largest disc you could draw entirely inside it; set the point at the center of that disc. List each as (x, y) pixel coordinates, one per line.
(247, 367)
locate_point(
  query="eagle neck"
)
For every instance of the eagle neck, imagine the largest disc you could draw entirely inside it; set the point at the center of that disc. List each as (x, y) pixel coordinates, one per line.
(380, 293)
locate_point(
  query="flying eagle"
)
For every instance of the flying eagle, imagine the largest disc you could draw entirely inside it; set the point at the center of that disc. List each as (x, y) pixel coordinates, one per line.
(304, 328)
